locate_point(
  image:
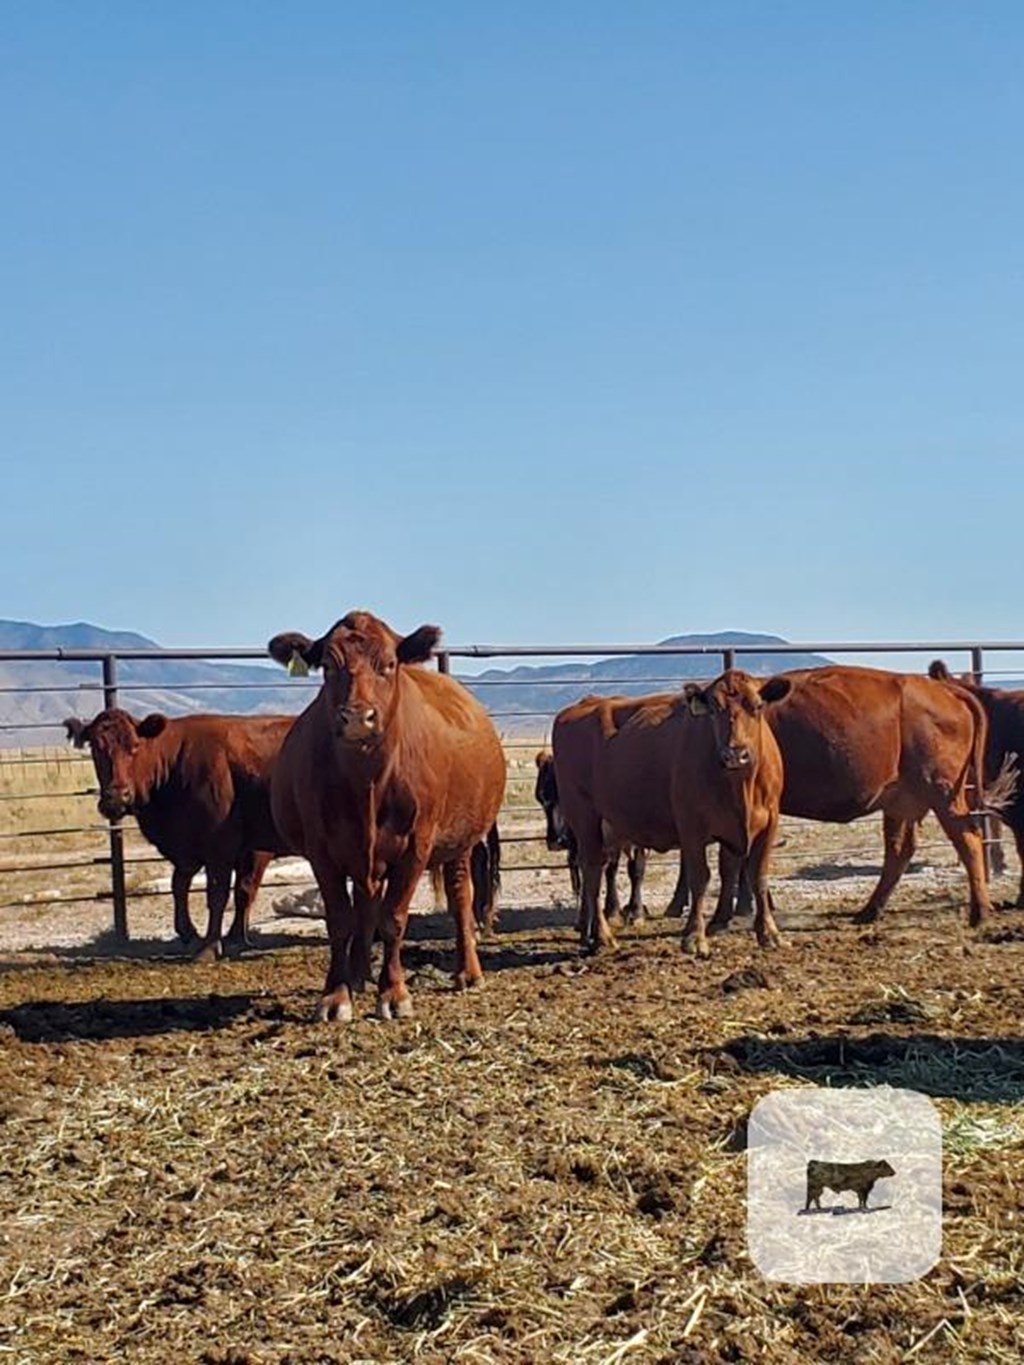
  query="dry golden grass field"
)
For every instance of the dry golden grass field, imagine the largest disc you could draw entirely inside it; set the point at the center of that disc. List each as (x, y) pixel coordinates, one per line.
(549, 1169)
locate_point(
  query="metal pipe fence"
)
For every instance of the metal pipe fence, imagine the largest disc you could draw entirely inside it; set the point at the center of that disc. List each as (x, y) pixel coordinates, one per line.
(113, 851)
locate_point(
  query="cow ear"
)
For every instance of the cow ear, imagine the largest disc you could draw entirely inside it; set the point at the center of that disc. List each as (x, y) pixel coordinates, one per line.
(297, 652)
(775, 689)
(151, 726)
(77, 731)
(417, 647)
(696, 699)
(544, 756)
(938, 670)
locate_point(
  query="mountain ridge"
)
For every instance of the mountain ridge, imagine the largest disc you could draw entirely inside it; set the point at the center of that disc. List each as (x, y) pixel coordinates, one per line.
(37, 695)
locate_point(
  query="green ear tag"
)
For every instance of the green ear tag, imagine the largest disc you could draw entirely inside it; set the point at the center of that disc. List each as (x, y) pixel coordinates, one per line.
(297, 666)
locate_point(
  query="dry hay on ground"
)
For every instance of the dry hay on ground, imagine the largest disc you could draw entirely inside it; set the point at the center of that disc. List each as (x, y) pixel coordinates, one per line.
(551, 1169)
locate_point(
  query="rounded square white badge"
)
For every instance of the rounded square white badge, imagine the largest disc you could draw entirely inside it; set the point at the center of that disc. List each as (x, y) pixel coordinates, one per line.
(844, 1186)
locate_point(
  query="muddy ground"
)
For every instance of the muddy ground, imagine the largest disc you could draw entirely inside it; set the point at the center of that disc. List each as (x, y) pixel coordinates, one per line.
(549, 1169)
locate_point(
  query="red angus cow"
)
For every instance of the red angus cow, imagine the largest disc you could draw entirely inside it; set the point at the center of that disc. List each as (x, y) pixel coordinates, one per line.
(858, 740)
(198, 787)
(390, 770)
(678, 770)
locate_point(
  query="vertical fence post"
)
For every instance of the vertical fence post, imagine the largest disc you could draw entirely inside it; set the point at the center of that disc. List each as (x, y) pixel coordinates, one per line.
(118, 890)
(994, 861)
(728, 659)
(444, 663)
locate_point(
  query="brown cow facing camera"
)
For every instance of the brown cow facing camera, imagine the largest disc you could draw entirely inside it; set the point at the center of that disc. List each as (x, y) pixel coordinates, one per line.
(858, 1176)
(391, 769)
(199, 788)
(675, 770)
(858, 740)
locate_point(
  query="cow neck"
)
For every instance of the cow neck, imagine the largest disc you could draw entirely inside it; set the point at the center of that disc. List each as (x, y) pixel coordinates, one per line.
(364, 775)
(155, 761)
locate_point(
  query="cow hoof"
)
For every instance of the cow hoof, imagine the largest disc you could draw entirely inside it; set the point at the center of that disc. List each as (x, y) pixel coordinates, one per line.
(869, 915)
(330, 1010)
(468, 983)
(209, 952)
(696, 947)
(769, 941)
(394, 1009)
(718, 926)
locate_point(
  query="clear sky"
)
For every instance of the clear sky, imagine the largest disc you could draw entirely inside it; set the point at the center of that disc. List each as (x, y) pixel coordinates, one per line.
(544, 322)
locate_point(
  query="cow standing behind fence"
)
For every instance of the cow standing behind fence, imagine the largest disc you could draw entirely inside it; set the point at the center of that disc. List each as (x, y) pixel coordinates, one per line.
(198, 787)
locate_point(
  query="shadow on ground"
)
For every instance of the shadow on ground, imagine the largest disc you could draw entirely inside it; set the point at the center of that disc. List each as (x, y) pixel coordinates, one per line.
(968, 1069)
(78, 1021)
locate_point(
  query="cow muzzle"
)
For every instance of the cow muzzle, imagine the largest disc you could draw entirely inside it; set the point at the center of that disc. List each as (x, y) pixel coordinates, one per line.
(358, 725)
(115, 803)
(735, 756)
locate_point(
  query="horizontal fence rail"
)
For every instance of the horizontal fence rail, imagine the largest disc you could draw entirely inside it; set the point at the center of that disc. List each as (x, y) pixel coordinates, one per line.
(48, 819)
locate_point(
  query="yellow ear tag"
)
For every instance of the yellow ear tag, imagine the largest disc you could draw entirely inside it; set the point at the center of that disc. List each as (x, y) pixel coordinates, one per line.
(297, 666)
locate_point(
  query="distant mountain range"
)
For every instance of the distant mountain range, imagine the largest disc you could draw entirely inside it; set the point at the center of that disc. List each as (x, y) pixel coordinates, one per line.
(35, 697)
(57, 689)
(534, 692)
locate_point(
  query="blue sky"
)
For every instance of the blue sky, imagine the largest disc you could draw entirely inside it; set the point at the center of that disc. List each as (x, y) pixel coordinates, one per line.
(544, 322)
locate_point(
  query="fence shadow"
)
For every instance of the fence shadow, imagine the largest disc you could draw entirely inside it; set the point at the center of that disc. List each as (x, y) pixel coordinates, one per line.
(106, 946)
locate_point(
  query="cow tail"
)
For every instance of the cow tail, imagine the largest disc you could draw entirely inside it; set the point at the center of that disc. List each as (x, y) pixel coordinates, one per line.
(994, 798)
(1001, 791)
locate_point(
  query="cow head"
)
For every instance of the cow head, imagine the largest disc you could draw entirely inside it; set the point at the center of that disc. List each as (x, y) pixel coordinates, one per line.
(114, 738)
(361, 659)
(734, 704)
(546, 794)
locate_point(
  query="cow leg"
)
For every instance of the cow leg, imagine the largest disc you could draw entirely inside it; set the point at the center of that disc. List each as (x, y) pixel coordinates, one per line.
(484, 869)
(458, 885)
(595, 932)
(612, 905)
(900, 840)
(342, 928)
(365, 910)
(756, 865)
(181, 883)
(730, 870)
(437, 888)
(249, 872)
(218, 888)
(681, 894)
(698, 875)
(576, 881)
(393, 998)
(744, 892)
(636, 866)
(966, 838)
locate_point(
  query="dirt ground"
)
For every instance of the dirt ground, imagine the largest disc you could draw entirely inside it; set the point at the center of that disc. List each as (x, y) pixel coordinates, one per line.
(549, 1169)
